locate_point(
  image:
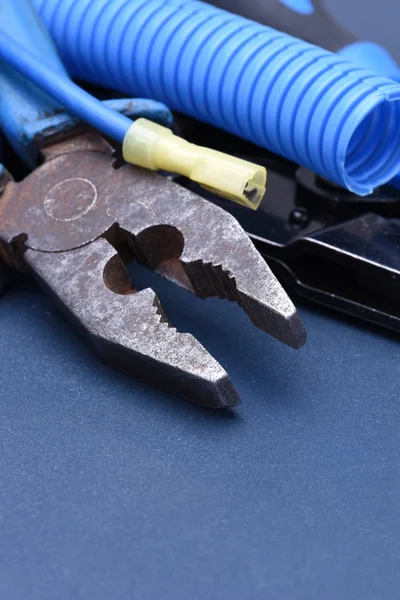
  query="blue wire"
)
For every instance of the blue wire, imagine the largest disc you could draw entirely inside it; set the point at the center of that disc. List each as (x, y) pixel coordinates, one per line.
(69, 95)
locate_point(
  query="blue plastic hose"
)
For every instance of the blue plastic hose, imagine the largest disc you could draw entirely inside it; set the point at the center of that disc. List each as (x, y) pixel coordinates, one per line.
(291, 97)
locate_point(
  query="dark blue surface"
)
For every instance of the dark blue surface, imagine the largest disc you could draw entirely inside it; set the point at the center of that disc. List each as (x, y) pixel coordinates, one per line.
(112, 490)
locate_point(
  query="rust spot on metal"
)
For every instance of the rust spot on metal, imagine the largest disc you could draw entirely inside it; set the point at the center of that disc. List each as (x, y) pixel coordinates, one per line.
(76, 140)
(12, 254)
(5, 179)
(116, 277)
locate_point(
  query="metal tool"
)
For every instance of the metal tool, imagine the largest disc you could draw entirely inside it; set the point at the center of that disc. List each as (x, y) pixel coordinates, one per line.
(81, 215)
(76, 220)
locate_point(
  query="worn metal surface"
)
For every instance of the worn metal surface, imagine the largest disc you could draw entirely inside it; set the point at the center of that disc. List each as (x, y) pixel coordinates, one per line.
(129, 330)
(70, 218)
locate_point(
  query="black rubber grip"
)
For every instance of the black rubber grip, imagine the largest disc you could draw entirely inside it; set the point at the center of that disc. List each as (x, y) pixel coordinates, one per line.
(318, 28)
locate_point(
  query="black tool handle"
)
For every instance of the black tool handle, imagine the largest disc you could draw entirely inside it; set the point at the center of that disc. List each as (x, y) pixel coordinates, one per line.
(316, 26)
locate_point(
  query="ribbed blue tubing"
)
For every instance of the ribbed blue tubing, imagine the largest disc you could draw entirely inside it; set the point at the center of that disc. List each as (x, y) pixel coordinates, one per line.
(282, 93)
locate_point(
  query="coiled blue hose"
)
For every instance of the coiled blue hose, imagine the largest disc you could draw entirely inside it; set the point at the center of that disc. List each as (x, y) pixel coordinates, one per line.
(279, 92)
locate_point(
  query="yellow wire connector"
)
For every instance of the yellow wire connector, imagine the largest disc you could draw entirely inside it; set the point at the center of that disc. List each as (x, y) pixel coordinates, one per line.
(155, 147)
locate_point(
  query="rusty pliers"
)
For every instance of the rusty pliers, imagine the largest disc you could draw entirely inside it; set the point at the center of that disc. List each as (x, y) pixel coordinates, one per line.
(77, 220)
(82, 215)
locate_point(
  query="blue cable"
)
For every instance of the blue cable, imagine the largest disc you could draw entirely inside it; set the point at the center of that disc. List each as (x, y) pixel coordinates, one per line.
(69, 95)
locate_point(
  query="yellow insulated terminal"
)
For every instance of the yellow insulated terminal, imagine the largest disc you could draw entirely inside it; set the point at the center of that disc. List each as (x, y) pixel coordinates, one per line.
(155, 147)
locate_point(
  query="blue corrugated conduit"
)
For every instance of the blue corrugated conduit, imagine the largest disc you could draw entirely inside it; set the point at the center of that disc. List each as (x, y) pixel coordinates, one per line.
(291, 97)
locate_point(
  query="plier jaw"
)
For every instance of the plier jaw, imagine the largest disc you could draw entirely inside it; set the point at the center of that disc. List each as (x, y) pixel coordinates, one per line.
(79, 220)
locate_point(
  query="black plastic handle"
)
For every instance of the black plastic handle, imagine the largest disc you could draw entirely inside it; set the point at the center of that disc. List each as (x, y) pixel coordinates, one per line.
(318, 28)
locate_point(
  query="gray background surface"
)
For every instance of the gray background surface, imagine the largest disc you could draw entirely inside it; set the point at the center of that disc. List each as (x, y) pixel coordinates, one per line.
(112, 490)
